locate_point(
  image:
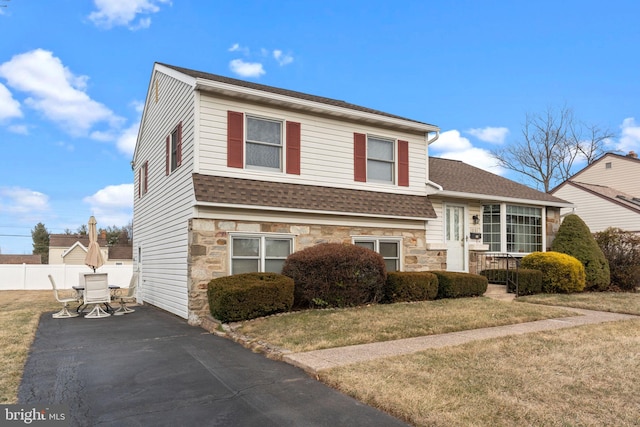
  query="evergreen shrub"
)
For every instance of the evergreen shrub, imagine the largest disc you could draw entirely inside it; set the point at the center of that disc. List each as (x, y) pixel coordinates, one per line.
(336, 275)
(249, 295)
(404, 286)
(574, 238)
(561, 273)
(457, 285)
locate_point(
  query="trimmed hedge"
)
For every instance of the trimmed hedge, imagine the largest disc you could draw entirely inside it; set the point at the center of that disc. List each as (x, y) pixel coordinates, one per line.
(404, 286)
(336, 275)
(529, 281)
(561, 273)
(249, 295)
(457, 285)
(574, 238)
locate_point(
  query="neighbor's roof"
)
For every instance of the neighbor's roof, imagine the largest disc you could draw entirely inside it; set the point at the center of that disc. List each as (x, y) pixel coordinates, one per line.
(68, 240)
(245, 192)
(120, 252)
(286, 92)
(611, 194)
(20, 259)
(456, 176)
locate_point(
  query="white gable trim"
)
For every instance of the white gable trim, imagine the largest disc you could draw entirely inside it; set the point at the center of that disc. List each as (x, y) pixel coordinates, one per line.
(65, 253)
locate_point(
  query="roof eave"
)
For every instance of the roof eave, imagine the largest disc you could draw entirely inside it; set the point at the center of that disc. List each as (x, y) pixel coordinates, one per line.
(307, 211)
(490, 197)
(308, 105)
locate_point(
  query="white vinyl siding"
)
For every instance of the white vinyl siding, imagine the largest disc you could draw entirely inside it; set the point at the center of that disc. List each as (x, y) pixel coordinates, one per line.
(162, 233)
(326, 148)
(598, 213)
(623, 175)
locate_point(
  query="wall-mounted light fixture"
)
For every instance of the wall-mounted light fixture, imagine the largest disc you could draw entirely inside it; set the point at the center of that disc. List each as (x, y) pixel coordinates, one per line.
(476, 219)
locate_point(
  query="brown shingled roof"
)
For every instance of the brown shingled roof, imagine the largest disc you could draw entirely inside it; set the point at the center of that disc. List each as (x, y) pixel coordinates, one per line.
(236, 191)
(120, 252)
(454, 175)
(279, 91)
(611, 194)
(20, 259)
(68, 240)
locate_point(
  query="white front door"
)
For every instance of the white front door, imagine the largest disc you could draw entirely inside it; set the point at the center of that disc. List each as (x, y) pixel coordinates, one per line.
(455, 236)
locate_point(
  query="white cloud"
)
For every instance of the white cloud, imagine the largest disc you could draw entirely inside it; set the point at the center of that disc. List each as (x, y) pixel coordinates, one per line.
(9, 107)
(246, 69)
(56, 92)
(127, 140)
(112, 205)
(493, 135)
(19, 129)
(22, 200)
(237, 48)
(629, 136)
(283, 59)
(111, 13)
(451, 145)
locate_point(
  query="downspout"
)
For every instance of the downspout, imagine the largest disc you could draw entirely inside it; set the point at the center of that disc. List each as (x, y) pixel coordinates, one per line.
(429, 142)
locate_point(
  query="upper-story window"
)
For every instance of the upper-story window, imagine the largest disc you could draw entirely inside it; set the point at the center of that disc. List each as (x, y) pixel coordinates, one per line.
(380, 159)
(174, 149)
(143, 176)
(261, 143)
(264, 143)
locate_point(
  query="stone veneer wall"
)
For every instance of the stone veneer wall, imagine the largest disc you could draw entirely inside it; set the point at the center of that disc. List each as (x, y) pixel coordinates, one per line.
(208, 250)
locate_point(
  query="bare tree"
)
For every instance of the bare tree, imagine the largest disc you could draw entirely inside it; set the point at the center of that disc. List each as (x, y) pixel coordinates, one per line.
(551, 143)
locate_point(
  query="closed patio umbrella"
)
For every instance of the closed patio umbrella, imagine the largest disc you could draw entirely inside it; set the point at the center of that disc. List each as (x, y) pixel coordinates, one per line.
(94, 256)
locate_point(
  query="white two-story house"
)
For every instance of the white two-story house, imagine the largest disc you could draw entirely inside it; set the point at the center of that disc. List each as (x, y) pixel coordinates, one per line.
(233, 176)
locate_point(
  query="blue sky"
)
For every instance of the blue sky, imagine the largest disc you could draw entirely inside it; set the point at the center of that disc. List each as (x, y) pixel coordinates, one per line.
(74, 75)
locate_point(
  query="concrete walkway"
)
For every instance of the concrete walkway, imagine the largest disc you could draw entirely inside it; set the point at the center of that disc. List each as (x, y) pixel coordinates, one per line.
(315, 361)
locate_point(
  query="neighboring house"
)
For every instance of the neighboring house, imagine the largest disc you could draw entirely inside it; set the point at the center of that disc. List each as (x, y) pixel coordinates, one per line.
(20, 259)
(233, 176)
(605, 193)
(72, 249)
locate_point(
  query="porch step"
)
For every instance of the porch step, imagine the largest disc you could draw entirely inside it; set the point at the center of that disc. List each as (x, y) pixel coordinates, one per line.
(499, 292)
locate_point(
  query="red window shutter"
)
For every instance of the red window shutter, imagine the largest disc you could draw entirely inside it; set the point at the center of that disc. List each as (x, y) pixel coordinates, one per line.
(235, 139)
(179, 145)
(167, 156)
(293, 148)
(360, 157)
(403, 163)
(139, 182)
(146, 177)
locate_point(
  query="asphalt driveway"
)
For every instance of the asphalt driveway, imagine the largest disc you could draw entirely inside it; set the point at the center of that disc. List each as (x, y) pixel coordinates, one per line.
(150, 368)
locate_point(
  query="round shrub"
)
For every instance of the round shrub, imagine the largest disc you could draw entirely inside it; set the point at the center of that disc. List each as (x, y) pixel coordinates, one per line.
(249, 295)
(574, 238)
(335, 275)
(404, 286)
(561, 273)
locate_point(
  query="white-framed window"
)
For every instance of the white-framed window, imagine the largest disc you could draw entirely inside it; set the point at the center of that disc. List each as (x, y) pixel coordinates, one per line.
(512, 228)
(389, 248)
(143, 179)
(263, 147)
(380, 159)
(259, 253)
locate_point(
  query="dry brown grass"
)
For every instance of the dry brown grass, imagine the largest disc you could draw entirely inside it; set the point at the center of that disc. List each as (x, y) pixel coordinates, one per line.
(19, 315)
(318, 329)
(615, 302)
(584, 376)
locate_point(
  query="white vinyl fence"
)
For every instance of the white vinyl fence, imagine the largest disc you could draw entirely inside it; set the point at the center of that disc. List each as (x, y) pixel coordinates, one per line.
(34, 276)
